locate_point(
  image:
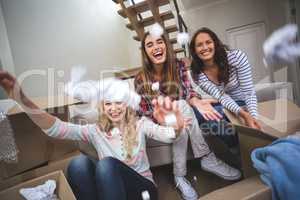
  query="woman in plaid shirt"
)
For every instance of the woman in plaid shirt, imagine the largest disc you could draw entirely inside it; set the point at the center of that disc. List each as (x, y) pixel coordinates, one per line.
(160, 65)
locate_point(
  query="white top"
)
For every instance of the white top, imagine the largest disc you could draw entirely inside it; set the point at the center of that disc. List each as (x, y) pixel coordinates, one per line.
(111, 144)
(239, 88)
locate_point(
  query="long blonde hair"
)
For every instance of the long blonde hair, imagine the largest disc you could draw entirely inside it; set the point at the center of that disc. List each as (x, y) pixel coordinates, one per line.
(130, 133)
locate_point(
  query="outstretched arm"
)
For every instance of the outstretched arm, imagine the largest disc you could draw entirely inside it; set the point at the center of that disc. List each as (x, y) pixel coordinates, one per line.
(14, 91)
(51, 125)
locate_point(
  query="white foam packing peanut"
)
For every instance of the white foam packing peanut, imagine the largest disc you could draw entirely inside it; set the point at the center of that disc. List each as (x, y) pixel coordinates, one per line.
(145, 195)
(155, 86)
(170, 119)
(156, 30)
(280, 47)
(41, 192)
(183, 38)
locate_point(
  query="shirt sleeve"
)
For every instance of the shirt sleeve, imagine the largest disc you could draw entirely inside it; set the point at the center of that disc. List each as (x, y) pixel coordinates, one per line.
(244, 74)
(65, 130)
(157, 132)
(186, 82)
(211, 89)
(145, 107)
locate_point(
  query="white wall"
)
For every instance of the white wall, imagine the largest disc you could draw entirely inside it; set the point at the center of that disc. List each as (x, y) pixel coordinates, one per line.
(5, 51)
(60, 34)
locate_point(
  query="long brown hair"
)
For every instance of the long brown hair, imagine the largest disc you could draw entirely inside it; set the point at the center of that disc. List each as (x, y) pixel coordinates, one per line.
(220, 57)
(170, 75)
(130, 133)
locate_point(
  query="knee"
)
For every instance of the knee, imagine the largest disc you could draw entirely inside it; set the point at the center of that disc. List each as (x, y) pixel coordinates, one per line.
(79, 165)
(186, 109)
(106, 165)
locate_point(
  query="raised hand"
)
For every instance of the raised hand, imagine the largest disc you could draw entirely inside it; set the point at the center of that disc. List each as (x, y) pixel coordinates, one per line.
(10, 85)
(164, 108)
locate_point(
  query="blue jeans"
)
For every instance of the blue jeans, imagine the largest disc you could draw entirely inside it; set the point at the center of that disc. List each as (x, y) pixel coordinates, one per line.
(107, 179)
(221, 129)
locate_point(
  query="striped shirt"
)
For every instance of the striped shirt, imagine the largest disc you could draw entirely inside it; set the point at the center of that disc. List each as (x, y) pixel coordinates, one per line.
(112, 143)
(239, 88)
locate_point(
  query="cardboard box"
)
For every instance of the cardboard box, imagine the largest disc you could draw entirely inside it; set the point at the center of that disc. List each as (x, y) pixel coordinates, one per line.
(279, 118)
(248, 189)
(63, 190)
(35, 147)
(52, 166)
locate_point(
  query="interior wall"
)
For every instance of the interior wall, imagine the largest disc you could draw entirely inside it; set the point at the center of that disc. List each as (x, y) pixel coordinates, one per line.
(48, 37)
(5, 51)
(222, 15)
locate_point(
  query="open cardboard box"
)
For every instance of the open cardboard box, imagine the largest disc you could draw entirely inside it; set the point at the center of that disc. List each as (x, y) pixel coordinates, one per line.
(63, 190)
(60, 164)
(279, 118)
(35, 147)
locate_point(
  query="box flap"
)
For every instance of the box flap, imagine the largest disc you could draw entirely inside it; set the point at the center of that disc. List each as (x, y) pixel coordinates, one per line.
(63, 189)
(278, 118)
(250, 188)
(46, 103)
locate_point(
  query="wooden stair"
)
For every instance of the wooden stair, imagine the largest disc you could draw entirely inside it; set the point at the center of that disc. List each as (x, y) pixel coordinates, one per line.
(142, 7)
(168, 29)
(137, 21)
(150, 20)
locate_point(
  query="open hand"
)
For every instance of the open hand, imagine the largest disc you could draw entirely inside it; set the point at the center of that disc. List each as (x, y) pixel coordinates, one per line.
(10, 85)
(163, 106)
(253, 123)
(206, 109)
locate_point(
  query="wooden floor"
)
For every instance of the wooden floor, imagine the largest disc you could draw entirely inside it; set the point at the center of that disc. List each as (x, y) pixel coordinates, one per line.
(204, 182)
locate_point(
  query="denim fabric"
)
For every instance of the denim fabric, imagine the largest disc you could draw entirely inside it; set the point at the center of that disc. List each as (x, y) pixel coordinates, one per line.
(107, 179)
(220, 129)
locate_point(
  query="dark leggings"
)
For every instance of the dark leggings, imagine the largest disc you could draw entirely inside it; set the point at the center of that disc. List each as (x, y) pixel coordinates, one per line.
(107, 179)
(220, 129)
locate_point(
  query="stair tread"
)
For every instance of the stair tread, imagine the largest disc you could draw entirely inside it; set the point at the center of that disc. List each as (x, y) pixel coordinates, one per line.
(150, 20)
(179, 50)
(142, 7)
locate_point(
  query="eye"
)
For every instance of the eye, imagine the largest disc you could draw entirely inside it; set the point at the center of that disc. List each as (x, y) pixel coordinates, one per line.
(149, 44)
(119, 102)
(160, 41)
(107, 103)
(199, 45)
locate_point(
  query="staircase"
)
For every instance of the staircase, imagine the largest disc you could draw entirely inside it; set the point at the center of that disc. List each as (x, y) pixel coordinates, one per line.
(142, 15)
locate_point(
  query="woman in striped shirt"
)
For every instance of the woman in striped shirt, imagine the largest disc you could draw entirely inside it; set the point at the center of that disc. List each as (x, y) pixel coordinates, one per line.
(224, 74)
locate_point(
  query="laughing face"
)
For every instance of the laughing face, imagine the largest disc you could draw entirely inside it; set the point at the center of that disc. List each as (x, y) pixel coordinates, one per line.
(205, 47)
(155, 48)
(115, 111)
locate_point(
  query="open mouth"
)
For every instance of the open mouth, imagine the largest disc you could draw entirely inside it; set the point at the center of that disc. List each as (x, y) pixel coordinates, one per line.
(205, 53)
(115, 114)
(158, 55)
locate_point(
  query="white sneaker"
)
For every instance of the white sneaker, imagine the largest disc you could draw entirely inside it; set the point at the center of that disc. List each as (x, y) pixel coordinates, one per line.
(186, 189)
(216, 166)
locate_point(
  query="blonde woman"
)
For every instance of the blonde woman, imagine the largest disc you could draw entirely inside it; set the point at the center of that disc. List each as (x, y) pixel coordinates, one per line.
(123, 171)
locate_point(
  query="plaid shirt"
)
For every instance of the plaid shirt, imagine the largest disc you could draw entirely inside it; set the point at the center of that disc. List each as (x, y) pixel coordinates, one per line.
(185, 90)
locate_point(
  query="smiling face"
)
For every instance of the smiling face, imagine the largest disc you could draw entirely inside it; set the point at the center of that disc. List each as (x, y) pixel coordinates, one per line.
(155, 48)
(205, 47)
(115, 111)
